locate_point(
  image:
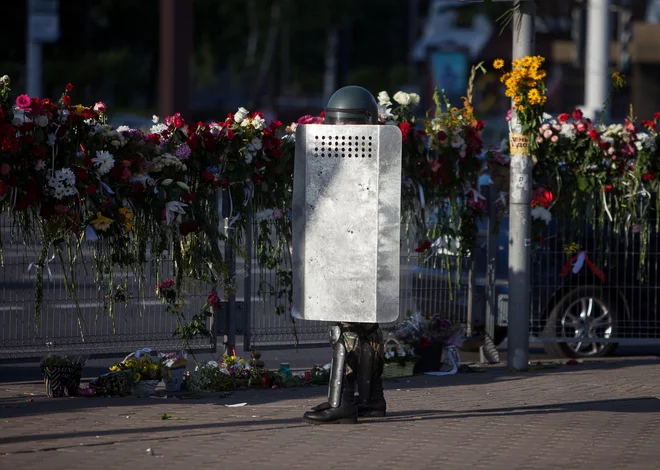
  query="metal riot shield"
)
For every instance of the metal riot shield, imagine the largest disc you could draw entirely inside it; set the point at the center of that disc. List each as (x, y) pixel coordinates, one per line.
(346, 223)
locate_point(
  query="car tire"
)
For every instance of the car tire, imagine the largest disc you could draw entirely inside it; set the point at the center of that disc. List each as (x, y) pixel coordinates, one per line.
(584, 312)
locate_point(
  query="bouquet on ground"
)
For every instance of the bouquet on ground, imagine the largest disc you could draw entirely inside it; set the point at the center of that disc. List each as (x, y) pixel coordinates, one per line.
(397, 353)
(235, 367)
(413, 331)
(442, 328)
(210, 377)
(142, 367)
(173, 360)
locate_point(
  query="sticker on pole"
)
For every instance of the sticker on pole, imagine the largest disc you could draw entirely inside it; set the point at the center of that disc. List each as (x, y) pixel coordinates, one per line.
(519, 144)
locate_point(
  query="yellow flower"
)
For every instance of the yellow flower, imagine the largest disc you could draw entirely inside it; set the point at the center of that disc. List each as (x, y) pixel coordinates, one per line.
(114, 368)
(137, 376)
(126, 212)
(521, 108)
(516, 64)
(527, 61)
(498, 64)
(571, 248)
(516, 99)
(618, 80)
(102, 222)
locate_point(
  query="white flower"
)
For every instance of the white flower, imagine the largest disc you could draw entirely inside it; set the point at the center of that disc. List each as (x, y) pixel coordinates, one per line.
(64, 114)
(158, 128)
(104, 161)
(41, 121)
(541, 213)
(384, 99)
(240, 115)
(414, 98)
(62, 183)
(384, 113)
(258, 122)
(457, 141)
(402, 98)
(20, 118)
(155, 119)
(609, 140)
(644, 141)
(567, 131)
(172, 209)
(123, 129)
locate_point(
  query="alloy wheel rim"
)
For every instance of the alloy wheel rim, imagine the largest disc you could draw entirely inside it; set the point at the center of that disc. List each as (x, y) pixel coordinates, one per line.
(587, 318)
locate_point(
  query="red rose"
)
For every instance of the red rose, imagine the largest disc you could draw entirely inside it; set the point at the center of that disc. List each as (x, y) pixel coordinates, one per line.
(188, 197)
(275, 125)
(593, 135)
(480, 125)
(604, 145)
(188, 227)
(442, 136)
(649, 176)
(66, 99)
(214, 300)
(425, 342)
(607, 188)
(69, 87)
(91, 189)
(564, 117)
(230, 134)
(577, 114)
(178, 122)
(125, 174)
(405, 128)
(81, 174)
(656, 116)
(649, 124)
(207, 175)
(422, 247)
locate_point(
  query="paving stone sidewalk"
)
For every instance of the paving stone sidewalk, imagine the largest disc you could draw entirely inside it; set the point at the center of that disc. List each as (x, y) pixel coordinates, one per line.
(596, 415)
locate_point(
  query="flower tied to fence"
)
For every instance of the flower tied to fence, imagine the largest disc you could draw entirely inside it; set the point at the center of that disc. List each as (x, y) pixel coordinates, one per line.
(578, 261)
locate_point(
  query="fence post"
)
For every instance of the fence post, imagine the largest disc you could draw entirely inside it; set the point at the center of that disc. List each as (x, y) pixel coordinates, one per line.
(230, 259)
(519, 209)
(247, 286)
(488, 352)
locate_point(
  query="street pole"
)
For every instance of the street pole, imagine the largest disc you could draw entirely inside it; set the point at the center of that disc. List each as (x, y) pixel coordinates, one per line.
(519, 207)
(598, 55)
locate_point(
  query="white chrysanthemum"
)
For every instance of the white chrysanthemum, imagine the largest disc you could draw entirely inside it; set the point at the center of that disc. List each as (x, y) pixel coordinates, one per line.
(155, 119)
(124, 129)
(240, 115)
(104, 161)
(414, 98)
(158, 128)
(541, 213)
(62, 183)
(384, 99)
(402, 98)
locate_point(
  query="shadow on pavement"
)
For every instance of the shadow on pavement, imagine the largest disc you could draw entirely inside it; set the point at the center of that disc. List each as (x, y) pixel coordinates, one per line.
(629, 405)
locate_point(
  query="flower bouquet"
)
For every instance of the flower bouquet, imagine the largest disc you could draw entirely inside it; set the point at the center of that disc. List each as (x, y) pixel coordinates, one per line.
(62, 375)
(146, 373)
(210, 377)
(399, 360)
(174, 365)
(237, 368)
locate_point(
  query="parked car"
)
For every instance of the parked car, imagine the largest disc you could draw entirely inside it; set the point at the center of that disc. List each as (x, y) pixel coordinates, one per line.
(612, 296)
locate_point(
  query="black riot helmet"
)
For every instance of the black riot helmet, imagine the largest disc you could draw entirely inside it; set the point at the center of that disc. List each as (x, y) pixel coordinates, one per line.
(351, 105)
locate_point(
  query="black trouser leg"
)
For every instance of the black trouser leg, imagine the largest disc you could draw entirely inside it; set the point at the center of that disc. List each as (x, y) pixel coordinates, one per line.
(371, 402)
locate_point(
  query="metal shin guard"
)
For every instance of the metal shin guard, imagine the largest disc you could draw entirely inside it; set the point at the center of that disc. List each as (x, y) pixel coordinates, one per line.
(338, 367)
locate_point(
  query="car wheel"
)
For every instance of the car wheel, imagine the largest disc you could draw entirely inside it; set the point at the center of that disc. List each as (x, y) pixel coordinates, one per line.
(587, 314)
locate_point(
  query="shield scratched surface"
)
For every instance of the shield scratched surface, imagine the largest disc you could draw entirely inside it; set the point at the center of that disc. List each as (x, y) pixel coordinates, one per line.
(346, 223)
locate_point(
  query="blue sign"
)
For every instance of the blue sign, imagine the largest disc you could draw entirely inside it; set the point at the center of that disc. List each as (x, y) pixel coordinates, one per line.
(450, 71)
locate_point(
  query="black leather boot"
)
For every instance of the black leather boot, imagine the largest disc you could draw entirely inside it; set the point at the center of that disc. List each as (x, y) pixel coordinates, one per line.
(340, 408)
(371, 402)
(345, 413)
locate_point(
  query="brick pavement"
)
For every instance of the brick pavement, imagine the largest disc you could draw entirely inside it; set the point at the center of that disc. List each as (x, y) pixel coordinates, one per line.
(596, 415)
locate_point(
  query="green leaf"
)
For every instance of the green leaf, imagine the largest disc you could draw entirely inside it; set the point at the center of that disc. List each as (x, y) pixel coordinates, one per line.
(165, 416)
